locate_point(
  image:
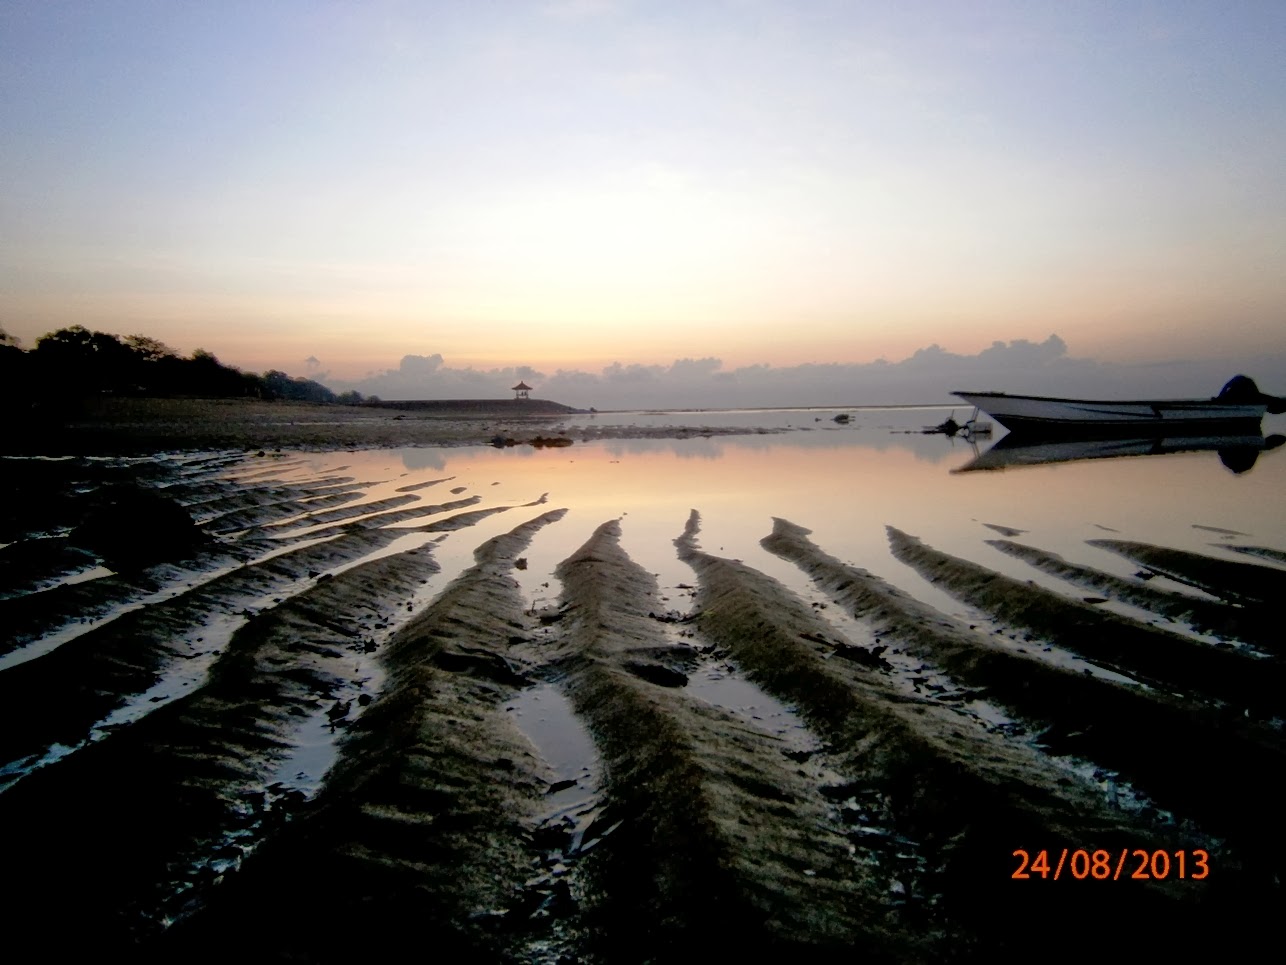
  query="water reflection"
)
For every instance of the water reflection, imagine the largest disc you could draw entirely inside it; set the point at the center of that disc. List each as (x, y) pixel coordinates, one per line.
(886, 473)
(1238, 453)
(882, 430)
(424, 458)
(846, 483)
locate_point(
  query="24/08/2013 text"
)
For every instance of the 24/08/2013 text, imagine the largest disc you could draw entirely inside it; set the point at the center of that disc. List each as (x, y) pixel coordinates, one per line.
(1137, 865)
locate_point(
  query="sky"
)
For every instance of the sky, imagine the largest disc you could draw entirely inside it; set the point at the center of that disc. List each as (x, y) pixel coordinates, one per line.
(426, 196)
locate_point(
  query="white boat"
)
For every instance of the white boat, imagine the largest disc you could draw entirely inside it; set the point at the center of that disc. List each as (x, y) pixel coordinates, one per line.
(1237, 410)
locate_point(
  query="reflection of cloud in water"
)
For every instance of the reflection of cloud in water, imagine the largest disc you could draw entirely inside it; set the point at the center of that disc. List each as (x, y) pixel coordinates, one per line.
(424, 458)
(881, 429)
(925, 448)
(437, 457)
(699, 448)
(528, 452)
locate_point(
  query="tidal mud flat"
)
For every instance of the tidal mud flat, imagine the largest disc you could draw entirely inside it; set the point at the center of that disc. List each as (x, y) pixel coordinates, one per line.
(476, 706)
(111, 426)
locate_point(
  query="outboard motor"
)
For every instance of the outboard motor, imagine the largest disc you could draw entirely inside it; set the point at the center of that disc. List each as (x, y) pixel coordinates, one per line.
(1240, 388)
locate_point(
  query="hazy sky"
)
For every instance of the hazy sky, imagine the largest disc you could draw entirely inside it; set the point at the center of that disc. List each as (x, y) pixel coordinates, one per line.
(567, 185)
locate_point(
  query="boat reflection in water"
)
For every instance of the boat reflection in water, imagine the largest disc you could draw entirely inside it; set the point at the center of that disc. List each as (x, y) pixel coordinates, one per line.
(1237, 452)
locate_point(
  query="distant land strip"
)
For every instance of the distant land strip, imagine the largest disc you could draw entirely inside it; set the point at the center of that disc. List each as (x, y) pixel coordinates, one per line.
(117, 425)
(479, 407)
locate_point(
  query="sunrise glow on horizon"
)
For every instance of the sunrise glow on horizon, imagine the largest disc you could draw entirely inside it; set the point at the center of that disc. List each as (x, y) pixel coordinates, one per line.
(565, 185)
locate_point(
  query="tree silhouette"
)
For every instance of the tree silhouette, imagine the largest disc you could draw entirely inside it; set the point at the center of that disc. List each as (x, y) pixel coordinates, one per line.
(74, 363)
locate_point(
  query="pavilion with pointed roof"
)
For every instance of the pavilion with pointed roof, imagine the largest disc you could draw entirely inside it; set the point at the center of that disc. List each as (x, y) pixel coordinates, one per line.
(521, 390)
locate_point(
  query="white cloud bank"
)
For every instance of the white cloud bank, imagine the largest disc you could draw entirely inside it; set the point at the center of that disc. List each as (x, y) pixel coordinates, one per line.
(928, 376)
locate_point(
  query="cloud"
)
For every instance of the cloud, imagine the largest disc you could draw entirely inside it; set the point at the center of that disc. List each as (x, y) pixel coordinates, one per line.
(428, 377)
(419, 366)
(616, 373)
(695, 368)
(929, 375)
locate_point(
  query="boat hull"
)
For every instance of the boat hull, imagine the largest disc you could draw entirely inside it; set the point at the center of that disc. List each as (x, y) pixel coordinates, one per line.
(1041, 416)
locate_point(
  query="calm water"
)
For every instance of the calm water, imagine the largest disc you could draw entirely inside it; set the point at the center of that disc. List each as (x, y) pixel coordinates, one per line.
(846, 482)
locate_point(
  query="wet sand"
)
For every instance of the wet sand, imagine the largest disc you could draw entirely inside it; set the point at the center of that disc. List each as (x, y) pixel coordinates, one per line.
(315, 734)
(118, 426)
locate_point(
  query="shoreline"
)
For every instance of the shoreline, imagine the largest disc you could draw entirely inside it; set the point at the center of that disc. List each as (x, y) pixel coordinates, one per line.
(121, 426)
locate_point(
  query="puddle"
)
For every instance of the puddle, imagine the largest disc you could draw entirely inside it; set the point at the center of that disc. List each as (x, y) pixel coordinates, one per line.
(568, 825)
(15, 771)
(179, 583)
(316, 748)
(719, 683)
(184, 674)
(858, 814)
(95, 572)
(534, 570)
(454, 549)
(546, 718)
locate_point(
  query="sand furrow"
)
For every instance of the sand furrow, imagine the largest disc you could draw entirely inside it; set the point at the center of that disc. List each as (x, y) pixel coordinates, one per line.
(225, 495)
(716, 833)
(53, 616)
(24, 619)
(36, 494)
(1228, 579)
(423, 832)
(97, 671)
(1247, 624)
(1135, 649)
(383, 518)
(168, 789)
(1263, 552)
(307, 518)
(35, 565)
(416, 487)
(268, 512)
(962, 795)
(1149, 738)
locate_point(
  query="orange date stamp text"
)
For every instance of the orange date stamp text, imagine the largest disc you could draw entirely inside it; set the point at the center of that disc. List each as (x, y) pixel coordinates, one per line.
(1100, 865)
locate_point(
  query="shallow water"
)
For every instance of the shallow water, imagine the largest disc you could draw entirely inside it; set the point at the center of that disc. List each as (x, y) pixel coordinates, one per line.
(847, 484)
